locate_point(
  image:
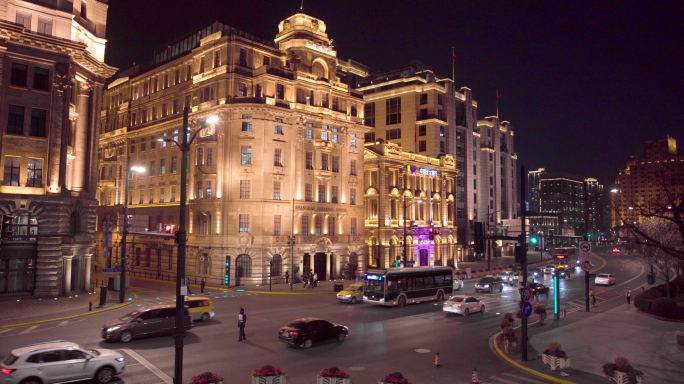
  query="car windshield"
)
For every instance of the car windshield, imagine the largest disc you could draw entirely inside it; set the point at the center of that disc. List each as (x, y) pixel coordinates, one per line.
(298, 324)
(485, 281)
(351, 288)
(130, 316)
(10, 359)
(94, 352)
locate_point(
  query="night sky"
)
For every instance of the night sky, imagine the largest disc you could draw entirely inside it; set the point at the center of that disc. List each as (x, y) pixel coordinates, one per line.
(583, 83)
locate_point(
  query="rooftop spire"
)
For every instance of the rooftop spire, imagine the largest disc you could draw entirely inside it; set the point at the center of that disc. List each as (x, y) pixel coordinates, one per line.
(301, 7)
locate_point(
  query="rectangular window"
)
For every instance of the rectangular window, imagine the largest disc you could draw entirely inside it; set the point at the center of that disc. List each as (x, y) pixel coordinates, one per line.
(278, 129)
(267, 60)
(278, 158)
(151, 170)
(319, 225)
(439, 98)
(132, 150)
(442, 147)
(175, 107)
(208, 194)
(141, 194)
(243, 57)
(352, 167)
(276, 190)
(324, 162)
(422, 146)
(393, 107)
(34, 173)
(309, 133)
(321, 193)
(135, 93)
(174, 164)
(217, 58)
(188, 73)
(459, 196)
(309, 160)
(459, 213)
(176, 77)
(392, 134)
(173, 194)
(423, 98)
(200, 156)
(162, 166)
(24, 19)
(335, 138)
(165, 111)
(151, 196)
(15, 120)
(352, 142)
(41, 78)
(336, 164)
(244, 223)
(369, 114)
(245, 189)
(276, 225)
(210, 156)
(143, 147)
(334, 194)
(246, 155)
(324, 136)
(201, 64)
(308, 192)
(19, 75)
(246, 126)
(45, 26)
(353, 226)
(352, 196)
(441, 131)
(331, 225)
(166, 81)
(199, 189)
(38, 122)
(146, 89)
(161, 195)
(242, 89)
(305, 225)
(422, 130)
(280, 92)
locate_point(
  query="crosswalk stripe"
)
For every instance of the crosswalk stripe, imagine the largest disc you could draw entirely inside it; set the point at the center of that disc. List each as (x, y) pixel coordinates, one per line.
(506, 381)
(63, 323)
(5, 330)
(29, 329)
(523, 378)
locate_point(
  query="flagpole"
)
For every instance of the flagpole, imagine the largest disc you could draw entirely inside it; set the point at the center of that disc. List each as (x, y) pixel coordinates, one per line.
(453, 67)
(497, 104)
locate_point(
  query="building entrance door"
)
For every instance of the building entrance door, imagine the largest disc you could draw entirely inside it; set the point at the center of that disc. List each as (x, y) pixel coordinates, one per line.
(319, 265)
(423, 257)
(75, 273)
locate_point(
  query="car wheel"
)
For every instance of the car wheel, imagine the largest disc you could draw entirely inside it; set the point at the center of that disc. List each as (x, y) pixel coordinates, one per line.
(205, 317)
(31, 381)
(125, 336)
(402, 301)
(307, 344)
(341, 336)
(354, 300)
(440, 296)
(467, 312)
(104, 375)
(482, 308)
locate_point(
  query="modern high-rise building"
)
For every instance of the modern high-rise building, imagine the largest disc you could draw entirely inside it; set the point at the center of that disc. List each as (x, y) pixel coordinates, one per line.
(642, 180)
(53, 72)
(533, 198)
(285, 159)
(562, 194)
(425, 114)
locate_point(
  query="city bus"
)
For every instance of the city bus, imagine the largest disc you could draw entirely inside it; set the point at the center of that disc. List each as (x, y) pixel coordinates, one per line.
(401, 286)
(566, 257)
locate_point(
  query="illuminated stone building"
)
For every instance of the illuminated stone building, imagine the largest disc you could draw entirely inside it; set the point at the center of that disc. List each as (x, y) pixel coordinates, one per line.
(53, 72)
(285, 158)
(424, 185)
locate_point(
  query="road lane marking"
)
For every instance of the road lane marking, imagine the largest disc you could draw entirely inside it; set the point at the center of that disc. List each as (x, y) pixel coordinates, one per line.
(163, 376)
(27, 330)
(502, 380)
(523, 378)
(5, 330)
(65, 322)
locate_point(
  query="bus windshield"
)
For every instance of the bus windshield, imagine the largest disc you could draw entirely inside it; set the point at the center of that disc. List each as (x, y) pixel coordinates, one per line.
(374, 285)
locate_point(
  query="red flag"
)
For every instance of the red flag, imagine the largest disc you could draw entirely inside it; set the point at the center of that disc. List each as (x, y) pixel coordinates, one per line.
(454, 53)
(498, 94)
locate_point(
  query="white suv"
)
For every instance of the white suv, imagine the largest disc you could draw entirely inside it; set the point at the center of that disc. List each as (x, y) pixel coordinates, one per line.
(60, 361)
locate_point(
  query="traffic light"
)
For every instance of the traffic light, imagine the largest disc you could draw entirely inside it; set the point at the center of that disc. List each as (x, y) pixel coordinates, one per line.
(479, 237)
(533, 240)
(431, 233)
(589, 235)
(168, 228)
(6, 226)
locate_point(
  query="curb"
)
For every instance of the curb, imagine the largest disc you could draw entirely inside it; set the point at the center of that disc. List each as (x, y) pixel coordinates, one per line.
(235, 289)
(503, 356)
(127, 303)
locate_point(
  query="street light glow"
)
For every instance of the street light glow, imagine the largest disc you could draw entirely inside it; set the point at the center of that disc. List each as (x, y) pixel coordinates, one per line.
(614, 190)
(136, 168)
(212, 119)
(631, 208)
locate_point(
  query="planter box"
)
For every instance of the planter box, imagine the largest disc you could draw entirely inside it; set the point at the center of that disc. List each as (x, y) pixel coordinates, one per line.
(333, 380)
(623, 378)
(282, 379)
(556, 362)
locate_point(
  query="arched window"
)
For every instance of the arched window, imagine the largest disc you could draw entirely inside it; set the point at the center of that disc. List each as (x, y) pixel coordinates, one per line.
(393, 209)
(277, 268)
(243, 266)
(318, 69)
(436, 211)
(202, 264)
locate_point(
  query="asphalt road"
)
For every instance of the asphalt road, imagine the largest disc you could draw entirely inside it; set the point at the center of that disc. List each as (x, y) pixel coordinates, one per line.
(381, 340)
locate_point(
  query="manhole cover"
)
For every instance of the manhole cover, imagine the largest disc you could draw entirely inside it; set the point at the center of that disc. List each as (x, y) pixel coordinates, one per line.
(356, 368)
(421, 350)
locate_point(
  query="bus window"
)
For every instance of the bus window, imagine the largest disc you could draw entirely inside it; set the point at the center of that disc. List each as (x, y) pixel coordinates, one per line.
(429, 282)
(419, 283)
(439, 280)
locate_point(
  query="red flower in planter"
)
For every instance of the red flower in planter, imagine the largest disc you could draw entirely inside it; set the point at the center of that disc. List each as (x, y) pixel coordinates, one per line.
(267, 370)
(206, 378)
(334, 372)
(395, 378)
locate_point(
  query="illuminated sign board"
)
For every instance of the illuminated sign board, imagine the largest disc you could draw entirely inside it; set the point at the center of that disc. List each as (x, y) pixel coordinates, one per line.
(424, 171)
(373, 277)
(321, 48)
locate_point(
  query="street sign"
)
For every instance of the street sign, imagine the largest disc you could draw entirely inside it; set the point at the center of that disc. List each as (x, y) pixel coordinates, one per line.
(201, 258)
(526, 293)
(585, 251)
(111, 270)
(586, 266)
(527, 309)
(592, 275)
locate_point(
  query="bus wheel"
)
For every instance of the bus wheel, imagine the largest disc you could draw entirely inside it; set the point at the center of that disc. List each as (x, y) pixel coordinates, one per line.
(402, 301)
(440, 296)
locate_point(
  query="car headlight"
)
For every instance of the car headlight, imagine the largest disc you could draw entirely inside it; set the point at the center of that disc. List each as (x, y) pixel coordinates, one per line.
(365, 298)
(119, 359)
(535, 273)
(486, 285)
(113, 328)
(347, 295)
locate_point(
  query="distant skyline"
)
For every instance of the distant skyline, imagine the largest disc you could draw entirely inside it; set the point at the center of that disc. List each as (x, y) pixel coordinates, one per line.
(583, 83)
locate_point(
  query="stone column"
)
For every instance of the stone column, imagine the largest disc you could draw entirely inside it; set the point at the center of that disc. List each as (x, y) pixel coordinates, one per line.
(88, 265)
(312, 258)
(66, 279)
(327, 266)
(81, 138)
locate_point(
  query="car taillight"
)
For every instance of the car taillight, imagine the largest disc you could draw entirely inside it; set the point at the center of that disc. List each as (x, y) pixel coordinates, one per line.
(8, 371)
(459, 305)
(280, 330)
(445, 303)
(294, 333)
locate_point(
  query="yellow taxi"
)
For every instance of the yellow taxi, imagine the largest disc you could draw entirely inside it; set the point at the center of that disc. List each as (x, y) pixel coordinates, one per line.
(200, 308)
(351, 294)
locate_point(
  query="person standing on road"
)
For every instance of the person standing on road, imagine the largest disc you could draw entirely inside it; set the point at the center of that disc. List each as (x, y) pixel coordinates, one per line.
(202, 283)
(242, 320)
(592, 298)
(187, 284)
(305, 277)
(315, 280)
(628, 294)
(287, 277)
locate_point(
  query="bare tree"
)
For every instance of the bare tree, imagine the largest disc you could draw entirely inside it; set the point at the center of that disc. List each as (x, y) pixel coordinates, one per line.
(667, 236)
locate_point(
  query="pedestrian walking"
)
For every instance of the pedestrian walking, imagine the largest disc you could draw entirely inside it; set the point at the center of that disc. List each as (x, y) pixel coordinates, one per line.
(592, 298)
(202, 284)
(628, 294)
(305, 277)
(315, 280)
(242, 321)
(287, 277)
(187, 284)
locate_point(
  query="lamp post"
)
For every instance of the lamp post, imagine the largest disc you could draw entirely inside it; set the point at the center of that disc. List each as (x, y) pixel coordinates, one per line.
(181, 239)
(405, 244)
(124, 257)
(291, 243)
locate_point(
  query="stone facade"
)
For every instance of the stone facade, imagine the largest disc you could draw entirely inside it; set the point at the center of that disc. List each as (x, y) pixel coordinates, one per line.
(52, 73)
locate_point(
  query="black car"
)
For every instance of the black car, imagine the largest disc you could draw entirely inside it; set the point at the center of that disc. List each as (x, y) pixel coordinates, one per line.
(489, 284)
(154, 321)
(308, 330)
(537, 288)
(563, 273)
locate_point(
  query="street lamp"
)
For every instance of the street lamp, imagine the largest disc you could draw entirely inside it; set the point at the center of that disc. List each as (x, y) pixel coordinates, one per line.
(405, 244)
(124, 257)
(181, 240)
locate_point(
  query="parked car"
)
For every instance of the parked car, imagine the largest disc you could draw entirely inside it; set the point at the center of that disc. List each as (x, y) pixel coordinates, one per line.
(154, 321)
(351, 294)
(537, 288)
(308, 330)
(516, 278)
(458, 284)
(550, 269)
(604, 279)
(489, 284)
(463, 305)
(61, 361)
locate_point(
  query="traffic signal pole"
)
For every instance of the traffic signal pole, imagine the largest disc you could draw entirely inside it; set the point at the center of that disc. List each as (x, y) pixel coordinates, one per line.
(523, 236)
(586, 238)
